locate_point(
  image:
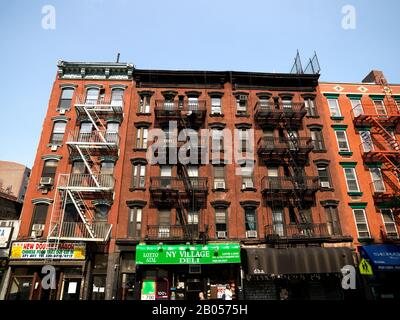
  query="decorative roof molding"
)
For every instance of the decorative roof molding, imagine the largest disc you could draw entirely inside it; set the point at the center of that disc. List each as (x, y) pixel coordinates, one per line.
(94, 70)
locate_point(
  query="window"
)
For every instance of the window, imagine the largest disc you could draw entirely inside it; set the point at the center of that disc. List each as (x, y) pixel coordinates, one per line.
(193, 103)
(66, 98)
(351, 180)
(361, 223)
(216, 107)
(342, 141)
(117, 97)
(264, 102)
(39, 215)
(49, 169)
(217, 140)
(310, 107)
(334, 107)
(241, 104)
(380, 107)
(357, 107)
(219, 177)
(58, 132)
(139, 176)
(112, 132)
(277, 221)
(287, 104)
(193, 217)
(250, 219)
(324, 176)
(220, 220)
(144, 104)
(141, 138)
(377, 179)
(78, 167)
(389, 223)
(107, 167)
(92, 95)
(247, 177)
(317, 139)
(101, 212)
(135, 222)
(164, 222)
(243, 139)
(85, 131)
(332, 221)
(366, 141)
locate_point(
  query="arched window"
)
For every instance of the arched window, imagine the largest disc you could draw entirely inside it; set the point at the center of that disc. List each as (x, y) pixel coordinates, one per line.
(49, 168)
(58, 132)
(66, 98)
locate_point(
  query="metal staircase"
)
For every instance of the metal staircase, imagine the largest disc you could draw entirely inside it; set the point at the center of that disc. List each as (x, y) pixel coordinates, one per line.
(81, 189)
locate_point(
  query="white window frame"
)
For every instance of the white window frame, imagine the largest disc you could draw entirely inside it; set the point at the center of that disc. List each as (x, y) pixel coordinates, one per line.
(381, 104)
(340, 140)
(357, 107)
(394, 223)
(364, 142)
(216, 105)
(335, 110)
(366, 223)
(355, 178)
(381, 179)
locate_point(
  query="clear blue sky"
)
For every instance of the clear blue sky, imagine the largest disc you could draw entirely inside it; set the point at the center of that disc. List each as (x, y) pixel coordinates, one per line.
(205, 35)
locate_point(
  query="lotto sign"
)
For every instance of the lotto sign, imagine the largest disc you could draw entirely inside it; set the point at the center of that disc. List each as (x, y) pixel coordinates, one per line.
(42, 250)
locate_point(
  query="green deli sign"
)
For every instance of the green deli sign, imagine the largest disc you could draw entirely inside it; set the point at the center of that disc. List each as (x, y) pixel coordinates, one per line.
(188, 254)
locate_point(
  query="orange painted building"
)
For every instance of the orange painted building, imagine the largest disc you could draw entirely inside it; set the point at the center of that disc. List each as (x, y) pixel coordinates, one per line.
(95, 200)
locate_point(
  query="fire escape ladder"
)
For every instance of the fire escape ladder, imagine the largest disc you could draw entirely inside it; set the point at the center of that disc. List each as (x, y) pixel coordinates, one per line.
(83, 210)
(297, 174)
(87, 165)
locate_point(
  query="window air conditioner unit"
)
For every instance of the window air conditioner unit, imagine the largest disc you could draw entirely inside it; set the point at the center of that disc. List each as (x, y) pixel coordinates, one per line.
(242, 97)
(62, 111)
(54, 147)
(37, 230)
(221, 234)
(251, 234)
(219, 185)
(248, 184)
(46, 181)
(325, 184)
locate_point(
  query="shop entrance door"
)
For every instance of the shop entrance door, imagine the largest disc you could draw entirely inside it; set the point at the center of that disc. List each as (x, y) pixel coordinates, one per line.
(194, 287)
(71, 288)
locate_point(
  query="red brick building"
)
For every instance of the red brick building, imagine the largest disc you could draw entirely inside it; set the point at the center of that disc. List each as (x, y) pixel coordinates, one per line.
(117, 226)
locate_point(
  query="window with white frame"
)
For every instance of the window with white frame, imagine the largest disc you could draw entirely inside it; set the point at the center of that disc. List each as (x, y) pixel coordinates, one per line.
(193, 217)
(287, 104)
(139, 175)
(389, 223)
(58, 132)
(278, 221)
(220, 219)
(217, 140)
(241, 103)
(324, 176)
(361, 223)
(164, 221)
(377, 179)
(216, 107)
(141, 137)
(219, 177)
(144, 104)
(351, 179)
(366, 140)
(342, 141)
(356, 107)
(317, 139)
(247, 177)
(310, 107)
(334, 107)
(135, 222)
(66, 98)
(250, 216)
(92, 95)
(117, 97)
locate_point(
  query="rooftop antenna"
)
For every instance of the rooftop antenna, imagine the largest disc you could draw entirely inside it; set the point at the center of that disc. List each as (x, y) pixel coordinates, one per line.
(118, 54)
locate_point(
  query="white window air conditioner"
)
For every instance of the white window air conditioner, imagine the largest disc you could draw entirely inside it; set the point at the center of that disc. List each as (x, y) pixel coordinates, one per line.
(221, 234)
(54, 147)
(248, 184)
(219, 185)
(325, 184)
(46, 181)
(251, 234)
(62, 111)
(37, 230)
(242, 97)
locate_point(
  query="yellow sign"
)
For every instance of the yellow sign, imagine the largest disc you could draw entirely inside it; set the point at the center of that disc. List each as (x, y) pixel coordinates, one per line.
(365, 268)
(42, 250)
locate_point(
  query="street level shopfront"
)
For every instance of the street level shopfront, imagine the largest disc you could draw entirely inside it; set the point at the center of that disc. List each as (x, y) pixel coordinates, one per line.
(181, 272)
(384, 282)
(27, 260)
(308, 273)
